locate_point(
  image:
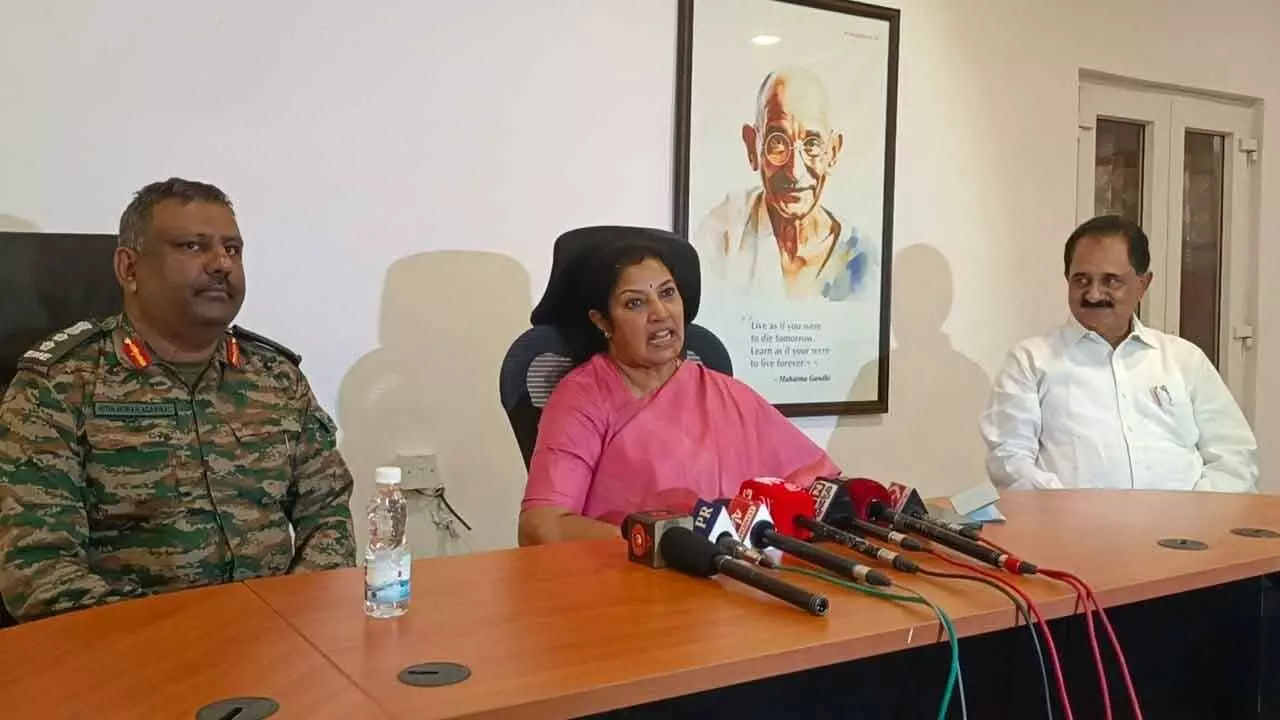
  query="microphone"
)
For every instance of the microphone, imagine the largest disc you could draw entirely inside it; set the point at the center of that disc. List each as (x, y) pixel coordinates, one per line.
(835, 507)
(692, 554)
(745, 515)
(763, 533)
(823, 531)
(878, 511)
(711, 521)
(644, 530)
(907, 501)
(785, 501)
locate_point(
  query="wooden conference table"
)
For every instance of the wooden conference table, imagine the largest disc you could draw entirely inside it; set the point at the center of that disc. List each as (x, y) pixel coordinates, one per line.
(166, 657)
(575, 629)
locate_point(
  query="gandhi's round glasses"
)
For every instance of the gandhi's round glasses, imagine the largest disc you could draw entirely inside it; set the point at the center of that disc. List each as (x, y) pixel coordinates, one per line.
(778, 147)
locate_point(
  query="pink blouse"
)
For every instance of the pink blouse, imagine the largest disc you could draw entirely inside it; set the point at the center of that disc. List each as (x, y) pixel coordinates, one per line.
(603, 453)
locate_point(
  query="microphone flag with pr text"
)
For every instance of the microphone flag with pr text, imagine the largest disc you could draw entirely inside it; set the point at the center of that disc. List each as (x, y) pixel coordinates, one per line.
(711, 520)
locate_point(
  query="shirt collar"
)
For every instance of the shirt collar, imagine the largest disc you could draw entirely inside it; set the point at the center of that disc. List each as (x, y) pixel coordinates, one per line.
(1075, 332)
(134, 352)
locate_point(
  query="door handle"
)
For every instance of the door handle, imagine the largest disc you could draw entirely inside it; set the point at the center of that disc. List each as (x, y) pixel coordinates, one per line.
(1243, 333)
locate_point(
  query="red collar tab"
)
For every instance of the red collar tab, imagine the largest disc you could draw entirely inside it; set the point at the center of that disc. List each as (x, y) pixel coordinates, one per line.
(136, 353)
(233, 352)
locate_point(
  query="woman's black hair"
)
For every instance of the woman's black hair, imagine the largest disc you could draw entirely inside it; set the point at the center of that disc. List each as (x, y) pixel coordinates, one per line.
(597, 282)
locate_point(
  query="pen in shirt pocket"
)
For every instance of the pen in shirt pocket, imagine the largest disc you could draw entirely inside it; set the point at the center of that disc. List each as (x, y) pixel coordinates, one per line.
(1160, 393)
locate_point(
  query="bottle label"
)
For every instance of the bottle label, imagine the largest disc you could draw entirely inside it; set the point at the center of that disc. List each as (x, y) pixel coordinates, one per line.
(387, 581)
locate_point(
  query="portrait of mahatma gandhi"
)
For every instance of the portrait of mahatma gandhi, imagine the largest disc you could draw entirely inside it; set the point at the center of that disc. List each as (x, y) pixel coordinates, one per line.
(778, 238)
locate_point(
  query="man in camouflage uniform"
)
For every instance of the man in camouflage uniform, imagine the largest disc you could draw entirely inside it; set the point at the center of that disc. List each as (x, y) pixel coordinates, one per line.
(162, 449)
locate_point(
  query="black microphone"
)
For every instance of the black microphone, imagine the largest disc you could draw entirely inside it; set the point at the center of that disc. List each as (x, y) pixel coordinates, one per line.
(711, 520)
(692, 554)
(823, 531)
(759, 499)
(738, 550)
(893, 537)
(907, 501)
(764, 535)
(966, 546)
(963, 531)
(835, 506)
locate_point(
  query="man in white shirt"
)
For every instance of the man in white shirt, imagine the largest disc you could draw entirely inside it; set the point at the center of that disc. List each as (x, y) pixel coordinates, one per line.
(1105, 402)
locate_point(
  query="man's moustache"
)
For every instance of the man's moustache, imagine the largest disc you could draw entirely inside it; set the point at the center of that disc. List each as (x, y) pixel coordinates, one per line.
(1097, 305)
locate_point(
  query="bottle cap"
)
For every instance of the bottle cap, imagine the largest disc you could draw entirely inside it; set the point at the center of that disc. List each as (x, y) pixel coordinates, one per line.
(387, 476)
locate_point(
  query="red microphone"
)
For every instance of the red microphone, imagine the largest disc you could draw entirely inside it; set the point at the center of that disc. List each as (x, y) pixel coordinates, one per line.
(865, 491)
(834, 506)
(785, 501)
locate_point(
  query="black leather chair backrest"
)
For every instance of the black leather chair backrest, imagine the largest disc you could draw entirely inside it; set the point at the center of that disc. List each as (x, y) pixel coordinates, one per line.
(538, 359)
(49, 281)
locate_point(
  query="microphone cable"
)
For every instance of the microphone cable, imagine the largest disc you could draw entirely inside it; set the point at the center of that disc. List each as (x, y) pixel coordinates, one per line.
(1035, 610)
(953, 677)
(1085, 595)
(1083, 602)
(1021, 611)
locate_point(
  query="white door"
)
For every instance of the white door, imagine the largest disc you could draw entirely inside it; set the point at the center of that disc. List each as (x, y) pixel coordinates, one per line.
(1184, 167)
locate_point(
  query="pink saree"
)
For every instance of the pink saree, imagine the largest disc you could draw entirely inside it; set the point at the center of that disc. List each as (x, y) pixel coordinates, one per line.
(603, 453)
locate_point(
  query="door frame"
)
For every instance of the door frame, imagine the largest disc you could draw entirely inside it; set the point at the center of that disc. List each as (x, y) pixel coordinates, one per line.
(1167, 112)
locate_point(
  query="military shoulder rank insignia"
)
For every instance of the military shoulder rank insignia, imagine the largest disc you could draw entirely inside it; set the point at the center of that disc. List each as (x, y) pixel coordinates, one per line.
(57, 345)
(243, 337)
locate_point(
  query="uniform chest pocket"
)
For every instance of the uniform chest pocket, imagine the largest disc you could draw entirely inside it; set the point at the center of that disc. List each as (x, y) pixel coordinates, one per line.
(142, 460)
(263, 460)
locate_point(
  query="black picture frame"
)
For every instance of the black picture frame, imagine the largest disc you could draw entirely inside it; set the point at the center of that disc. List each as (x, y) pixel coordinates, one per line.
(849, 404)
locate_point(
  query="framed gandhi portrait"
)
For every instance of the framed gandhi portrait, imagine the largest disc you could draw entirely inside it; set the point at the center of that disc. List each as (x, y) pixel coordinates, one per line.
(785, 123)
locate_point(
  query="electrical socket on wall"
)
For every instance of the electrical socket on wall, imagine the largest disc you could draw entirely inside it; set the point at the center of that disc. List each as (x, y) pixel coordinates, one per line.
(418, 470)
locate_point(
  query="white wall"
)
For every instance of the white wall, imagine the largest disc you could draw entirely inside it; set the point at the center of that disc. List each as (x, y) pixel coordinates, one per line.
(359, 143)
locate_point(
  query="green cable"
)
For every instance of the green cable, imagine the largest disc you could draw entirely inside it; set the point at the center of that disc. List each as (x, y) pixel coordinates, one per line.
(918, 599)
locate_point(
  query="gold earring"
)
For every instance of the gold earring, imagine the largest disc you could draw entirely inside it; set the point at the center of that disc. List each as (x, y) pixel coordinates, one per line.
(608, 335)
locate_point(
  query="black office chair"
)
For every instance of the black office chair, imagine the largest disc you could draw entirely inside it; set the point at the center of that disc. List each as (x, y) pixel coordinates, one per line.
(49, 281)
(540, 358)
(542, 355)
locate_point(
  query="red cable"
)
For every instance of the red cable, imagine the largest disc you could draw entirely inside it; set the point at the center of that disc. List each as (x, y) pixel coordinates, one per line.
(1111, 633)
(1035, 610)
(1106, 624)
(1082, 599)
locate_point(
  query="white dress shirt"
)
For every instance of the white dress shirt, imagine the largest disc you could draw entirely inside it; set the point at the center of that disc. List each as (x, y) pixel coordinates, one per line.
(1068, 410)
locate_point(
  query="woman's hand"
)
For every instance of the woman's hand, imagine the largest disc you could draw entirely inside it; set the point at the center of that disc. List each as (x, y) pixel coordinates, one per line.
(542, 525)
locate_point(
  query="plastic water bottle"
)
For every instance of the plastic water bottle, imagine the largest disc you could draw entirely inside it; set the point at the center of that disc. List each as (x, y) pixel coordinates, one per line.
(387, 560)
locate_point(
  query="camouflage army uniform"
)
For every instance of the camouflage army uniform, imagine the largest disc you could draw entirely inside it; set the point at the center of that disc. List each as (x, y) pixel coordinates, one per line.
(117, 481)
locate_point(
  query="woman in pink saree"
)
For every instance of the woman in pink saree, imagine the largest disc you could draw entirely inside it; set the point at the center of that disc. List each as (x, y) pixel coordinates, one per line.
(635, 426)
